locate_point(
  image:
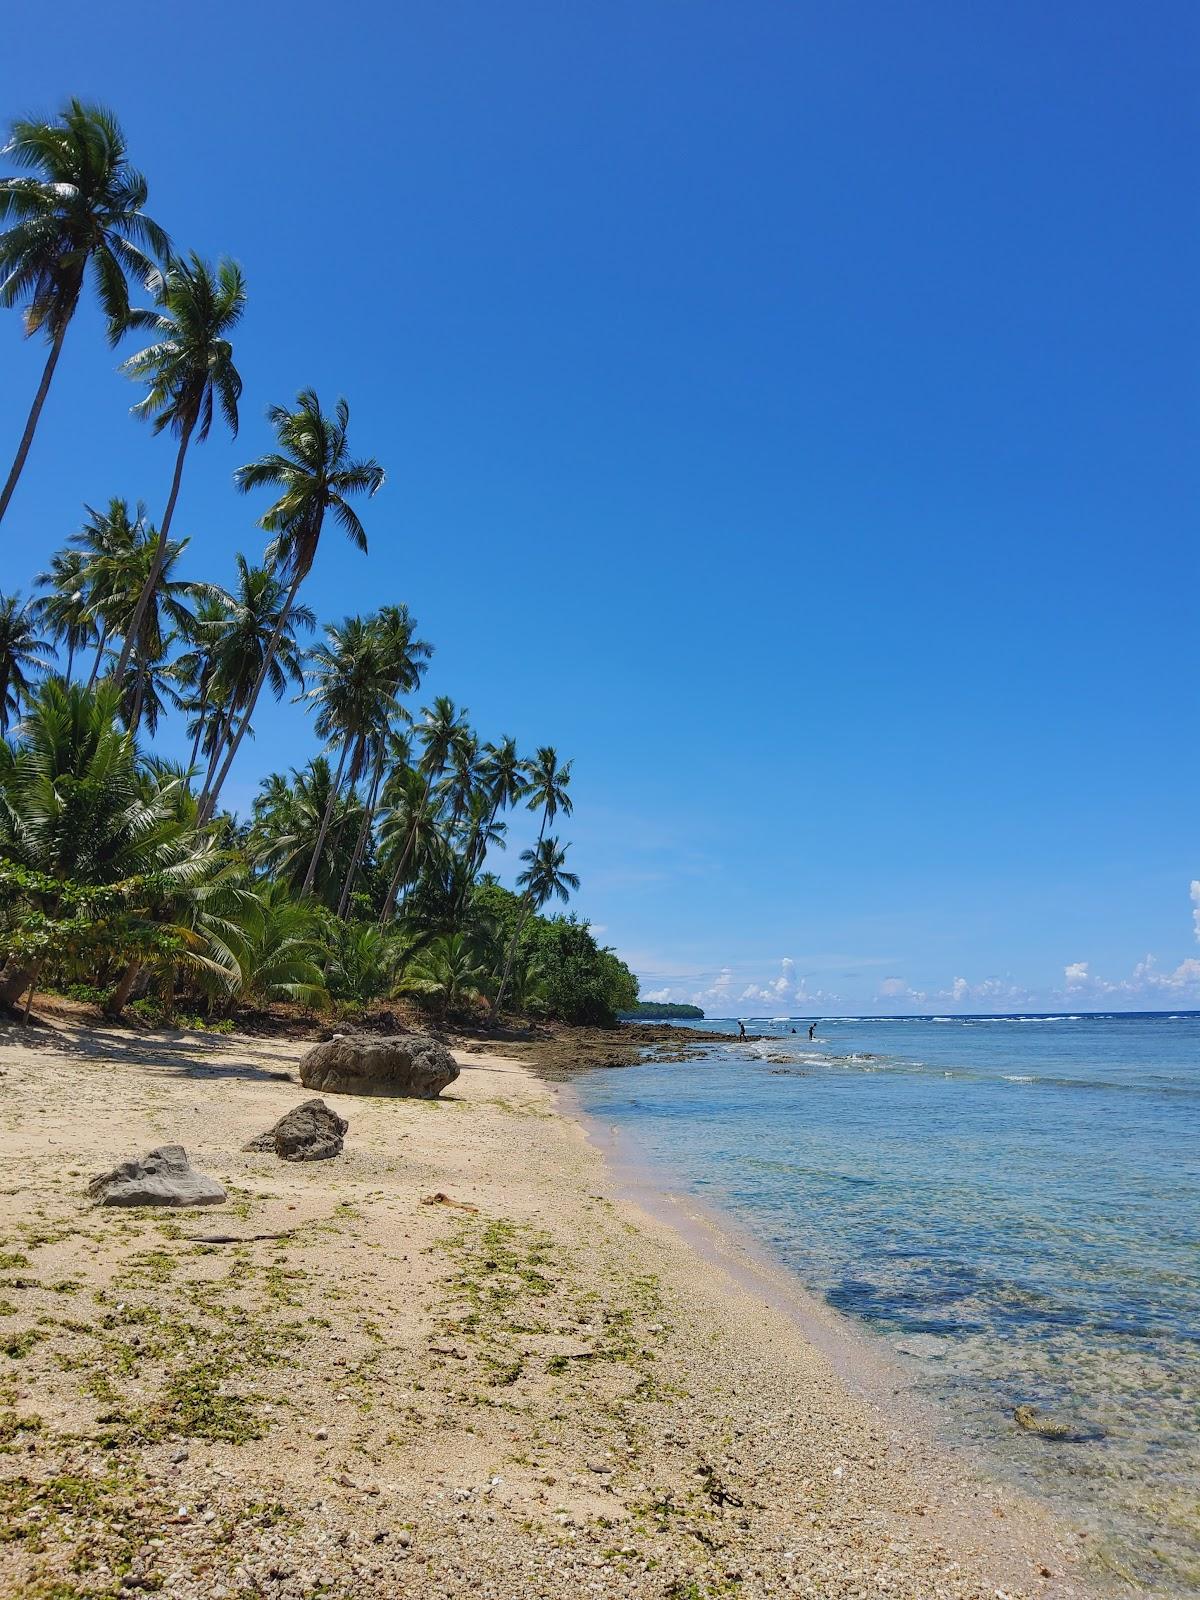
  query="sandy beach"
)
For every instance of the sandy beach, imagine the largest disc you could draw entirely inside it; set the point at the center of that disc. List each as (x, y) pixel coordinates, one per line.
(462, 1363)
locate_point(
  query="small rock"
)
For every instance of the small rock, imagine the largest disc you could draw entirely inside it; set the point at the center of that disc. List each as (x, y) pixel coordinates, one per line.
(180, 1455)
(321, 1433)
(163, 1177)
(309, 1132)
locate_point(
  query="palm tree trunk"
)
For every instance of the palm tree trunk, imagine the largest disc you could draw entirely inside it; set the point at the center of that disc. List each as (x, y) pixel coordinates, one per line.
(100, 648)
(124, 989)
(70, 659)
(33, 978)
(334, 791)
(39, 400)
(13, 985)
(151, 583)
(139, 696)
(512, 950)
(200, 715)
(269, 656)
(361, 842)
(224, 725)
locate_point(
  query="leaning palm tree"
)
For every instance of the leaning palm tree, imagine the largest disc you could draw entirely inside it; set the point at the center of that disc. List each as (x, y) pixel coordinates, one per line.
(545, 878)
(21, 652)
(84, 205)
(65, 610)
(316, 474)
(188, 371)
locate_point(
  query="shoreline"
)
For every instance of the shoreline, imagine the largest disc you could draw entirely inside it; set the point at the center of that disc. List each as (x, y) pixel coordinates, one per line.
(472, 1365)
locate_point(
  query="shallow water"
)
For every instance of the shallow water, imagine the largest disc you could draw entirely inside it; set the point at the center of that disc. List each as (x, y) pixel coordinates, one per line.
(1013, 1203)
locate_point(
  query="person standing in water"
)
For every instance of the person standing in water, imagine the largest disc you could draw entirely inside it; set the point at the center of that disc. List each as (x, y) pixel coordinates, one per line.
(812, 1030)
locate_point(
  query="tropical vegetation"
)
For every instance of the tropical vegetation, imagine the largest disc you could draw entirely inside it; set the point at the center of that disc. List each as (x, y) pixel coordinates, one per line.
(365, 876)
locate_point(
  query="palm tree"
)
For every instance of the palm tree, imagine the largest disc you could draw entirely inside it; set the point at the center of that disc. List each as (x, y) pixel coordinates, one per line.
(287, 819)
(316, 474)
(66, 610)
(503, 774)
(547, 786)
(351, 687)
(405, 658)
(277, 949)
(113, 568)
(84, 205)
(20, 653)
(195, 667)
(76, 809)
(444, 727)
(166, 616)
(545, 877)
(189, 370)
(449, 970)
(261, 633)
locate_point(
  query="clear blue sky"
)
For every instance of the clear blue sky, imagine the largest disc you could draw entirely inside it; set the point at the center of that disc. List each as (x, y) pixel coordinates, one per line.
(790, 411)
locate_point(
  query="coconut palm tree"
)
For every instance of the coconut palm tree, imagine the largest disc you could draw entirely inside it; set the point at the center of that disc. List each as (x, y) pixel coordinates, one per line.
(188, 371)
(83, 205)
(547, 786)
(66, 610)
(260, 638)
(545, 878)
(449, 971)
(317, 476)
(503, 774)
(22, 651)
(112, 568)
(351, 688)
(287, 819)
(278, 946)
(76, 809)
(406, 658)
(443, 728)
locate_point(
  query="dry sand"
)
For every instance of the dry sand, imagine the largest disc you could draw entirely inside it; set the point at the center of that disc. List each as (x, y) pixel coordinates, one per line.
(535, 1390)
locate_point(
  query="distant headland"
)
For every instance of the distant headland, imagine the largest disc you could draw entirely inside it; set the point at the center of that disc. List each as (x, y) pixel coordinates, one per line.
(649, 1011)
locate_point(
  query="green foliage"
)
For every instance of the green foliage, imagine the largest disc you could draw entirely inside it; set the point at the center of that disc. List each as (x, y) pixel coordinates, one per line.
(581, 981)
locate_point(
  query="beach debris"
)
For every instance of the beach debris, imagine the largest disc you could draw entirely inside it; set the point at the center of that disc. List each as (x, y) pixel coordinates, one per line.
(1030, 1419)
(411, 1065)
(309, 1132)
(162, 1177)
(234, 1238)
(440, 1199)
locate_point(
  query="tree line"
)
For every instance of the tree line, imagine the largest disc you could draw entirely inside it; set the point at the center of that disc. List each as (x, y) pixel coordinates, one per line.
(360, 875)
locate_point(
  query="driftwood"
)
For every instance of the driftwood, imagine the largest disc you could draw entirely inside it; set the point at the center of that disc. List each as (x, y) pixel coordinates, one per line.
(233, 1238)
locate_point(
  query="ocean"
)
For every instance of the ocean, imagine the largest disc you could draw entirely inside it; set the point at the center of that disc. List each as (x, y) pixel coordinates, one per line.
(1011, 1203)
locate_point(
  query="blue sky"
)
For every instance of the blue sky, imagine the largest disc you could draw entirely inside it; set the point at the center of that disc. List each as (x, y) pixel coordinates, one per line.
(790, 411)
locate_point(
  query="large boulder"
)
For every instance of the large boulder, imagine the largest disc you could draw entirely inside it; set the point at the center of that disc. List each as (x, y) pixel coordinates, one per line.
(410, 1064)
(163, 1177)
(309, 1132)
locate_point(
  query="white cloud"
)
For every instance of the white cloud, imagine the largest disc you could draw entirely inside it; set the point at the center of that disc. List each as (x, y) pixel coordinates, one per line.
(658, 995)
(1147, 983)
(1196, 905)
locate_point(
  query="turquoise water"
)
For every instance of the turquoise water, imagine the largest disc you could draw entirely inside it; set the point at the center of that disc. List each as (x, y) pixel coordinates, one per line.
(1012, 1203)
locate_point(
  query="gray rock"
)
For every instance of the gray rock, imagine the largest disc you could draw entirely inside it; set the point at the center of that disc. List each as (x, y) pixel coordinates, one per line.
(309, 1132)
(164, 1177)
(410, 1064)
